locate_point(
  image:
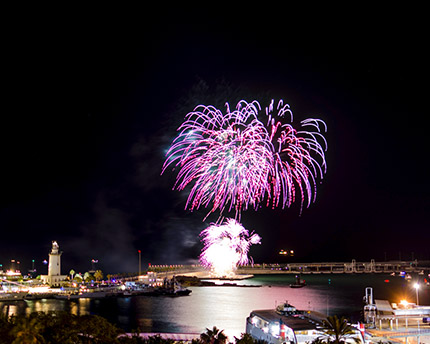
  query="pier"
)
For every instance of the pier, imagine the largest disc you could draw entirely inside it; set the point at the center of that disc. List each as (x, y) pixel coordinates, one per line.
(396, 267)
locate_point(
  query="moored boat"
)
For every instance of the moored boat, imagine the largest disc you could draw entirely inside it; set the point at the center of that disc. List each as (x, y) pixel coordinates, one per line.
(299, 283)
(285, 324)
(12, 296)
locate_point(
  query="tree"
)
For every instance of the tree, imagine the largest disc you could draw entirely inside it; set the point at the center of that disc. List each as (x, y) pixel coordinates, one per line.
(88, 277)
(320, 340)
(135, 338)
(72, 273)
(27, 330)
(214, 336)
(98, 275)
(60, 327)
(245, 338)
(97, 329)
(78, 278)
(337, 331)
(158, 340)
(5, 328)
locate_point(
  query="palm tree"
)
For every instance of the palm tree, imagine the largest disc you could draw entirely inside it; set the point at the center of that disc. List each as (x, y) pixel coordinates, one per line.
(337, 331)
(98, 275)
(72, 273)
(245, 338)
(78, 278)
(214, 336)
(158, 340)
(87, 277)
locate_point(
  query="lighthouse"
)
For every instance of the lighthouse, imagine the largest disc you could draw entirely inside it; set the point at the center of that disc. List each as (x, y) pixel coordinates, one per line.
(54, 277)
(54, 267)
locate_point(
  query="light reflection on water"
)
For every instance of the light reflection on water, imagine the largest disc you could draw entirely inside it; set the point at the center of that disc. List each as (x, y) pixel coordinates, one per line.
(227, 307)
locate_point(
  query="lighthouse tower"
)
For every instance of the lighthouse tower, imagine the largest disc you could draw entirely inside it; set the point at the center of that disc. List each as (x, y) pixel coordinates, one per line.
(54, 277)
(54, 267)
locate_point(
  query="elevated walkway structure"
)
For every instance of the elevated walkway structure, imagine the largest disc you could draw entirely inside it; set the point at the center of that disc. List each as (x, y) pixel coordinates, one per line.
(396, 267)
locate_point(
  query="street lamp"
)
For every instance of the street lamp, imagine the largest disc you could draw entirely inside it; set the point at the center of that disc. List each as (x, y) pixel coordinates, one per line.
(417, 287)
(140, 262)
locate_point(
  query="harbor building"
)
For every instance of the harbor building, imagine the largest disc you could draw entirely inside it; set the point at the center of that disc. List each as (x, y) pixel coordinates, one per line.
(54, 278)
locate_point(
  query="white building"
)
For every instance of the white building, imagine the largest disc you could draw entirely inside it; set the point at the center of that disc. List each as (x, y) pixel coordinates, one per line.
(54, 277)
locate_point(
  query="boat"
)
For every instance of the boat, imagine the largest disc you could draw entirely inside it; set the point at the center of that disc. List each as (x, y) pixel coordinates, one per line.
(286, 308)
(180, 292)
(168, 292)
(170, 288)
(285, 324)
(81, 295)
(83, 292)
(39, 296)
(12, 296)
(299, 283)
(175, 290)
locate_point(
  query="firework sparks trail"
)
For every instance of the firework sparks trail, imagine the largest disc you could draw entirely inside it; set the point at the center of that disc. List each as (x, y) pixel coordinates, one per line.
(226, 247)
(233, 161)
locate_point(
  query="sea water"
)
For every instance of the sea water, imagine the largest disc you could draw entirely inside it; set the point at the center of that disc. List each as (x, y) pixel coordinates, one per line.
(227, 307)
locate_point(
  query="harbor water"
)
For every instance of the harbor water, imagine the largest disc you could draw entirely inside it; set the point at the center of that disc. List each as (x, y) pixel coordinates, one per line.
(227, 307)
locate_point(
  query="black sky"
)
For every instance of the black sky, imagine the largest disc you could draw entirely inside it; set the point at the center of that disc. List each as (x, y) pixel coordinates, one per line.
(91, 104)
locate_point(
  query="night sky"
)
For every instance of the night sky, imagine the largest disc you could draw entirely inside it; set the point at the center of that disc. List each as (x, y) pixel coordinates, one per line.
(91, 104)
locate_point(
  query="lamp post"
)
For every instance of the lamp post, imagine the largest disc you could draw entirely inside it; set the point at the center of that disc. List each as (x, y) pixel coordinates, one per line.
(140, 262)
(417, 287)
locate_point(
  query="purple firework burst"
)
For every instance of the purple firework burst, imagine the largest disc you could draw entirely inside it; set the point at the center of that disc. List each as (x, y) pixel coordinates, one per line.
(234, 161)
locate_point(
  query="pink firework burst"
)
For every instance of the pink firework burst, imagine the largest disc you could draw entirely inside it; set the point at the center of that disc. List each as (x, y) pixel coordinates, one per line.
(226, 247)
(233, 161)
(226, 157)
(299, 156)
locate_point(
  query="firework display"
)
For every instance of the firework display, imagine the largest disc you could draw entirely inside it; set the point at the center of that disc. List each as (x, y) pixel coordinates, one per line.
(234, 161)
(240, 159)
(226, 247)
